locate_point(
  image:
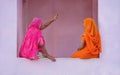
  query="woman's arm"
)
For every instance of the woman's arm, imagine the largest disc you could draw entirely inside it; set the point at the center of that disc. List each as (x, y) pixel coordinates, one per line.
(48, 22)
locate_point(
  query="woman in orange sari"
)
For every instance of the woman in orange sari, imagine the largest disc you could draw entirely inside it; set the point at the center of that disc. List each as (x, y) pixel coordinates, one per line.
(91, 42)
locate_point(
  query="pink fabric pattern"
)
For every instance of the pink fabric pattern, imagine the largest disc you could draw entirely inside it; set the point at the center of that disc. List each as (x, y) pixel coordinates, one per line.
(32, 40)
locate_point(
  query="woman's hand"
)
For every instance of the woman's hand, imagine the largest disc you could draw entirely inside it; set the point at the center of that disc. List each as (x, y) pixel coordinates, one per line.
(55, 17)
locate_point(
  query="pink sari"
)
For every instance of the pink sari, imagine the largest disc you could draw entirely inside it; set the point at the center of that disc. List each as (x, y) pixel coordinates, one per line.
(32, 41)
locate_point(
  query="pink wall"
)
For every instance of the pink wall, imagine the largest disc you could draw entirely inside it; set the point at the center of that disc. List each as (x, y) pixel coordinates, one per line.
(95, 10)
(63, 36)
(19, 24)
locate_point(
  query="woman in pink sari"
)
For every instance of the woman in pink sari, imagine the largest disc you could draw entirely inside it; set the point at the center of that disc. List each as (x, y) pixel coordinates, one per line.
(34, 42)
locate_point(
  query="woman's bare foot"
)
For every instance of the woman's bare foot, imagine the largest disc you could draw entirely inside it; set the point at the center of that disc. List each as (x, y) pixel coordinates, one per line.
(51, 58)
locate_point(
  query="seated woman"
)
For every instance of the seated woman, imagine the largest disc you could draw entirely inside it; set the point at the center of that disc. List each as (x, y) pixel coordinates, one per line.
(33, 42)
(91, 42)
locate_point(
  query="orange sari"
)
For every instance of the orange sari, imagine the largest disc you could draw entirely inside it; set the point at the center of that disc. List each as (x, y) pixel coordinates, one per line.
(91, 38)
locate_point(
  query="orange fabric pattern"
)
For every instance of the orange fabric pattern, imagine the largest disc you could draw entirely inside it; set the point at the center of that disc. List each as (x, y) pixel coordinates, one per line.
(91, 38)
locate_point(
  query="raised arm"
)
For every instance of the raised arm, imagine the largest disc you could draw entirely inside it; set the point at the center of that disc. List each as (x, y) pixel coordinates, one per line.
(48, 22)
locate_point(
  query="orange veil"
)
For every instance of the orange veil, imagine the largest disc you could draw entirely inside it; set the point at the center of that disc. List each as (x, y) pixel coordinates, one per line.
(91, 37)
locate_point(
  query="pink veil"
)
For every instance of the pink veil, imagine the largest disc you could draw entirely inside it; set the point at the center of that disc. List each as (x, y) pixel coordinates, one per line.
(30, 45)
